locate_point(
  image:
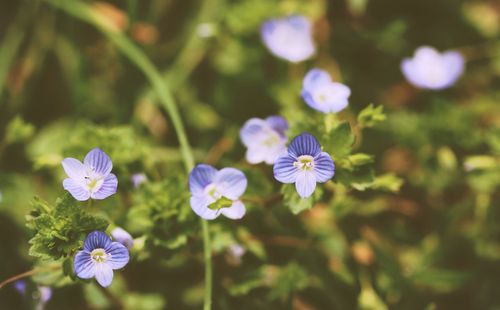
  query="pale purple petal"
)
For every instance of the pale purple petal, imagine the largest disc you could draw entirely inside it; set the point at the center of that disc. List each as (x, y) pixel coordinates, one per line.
(121, 235)
(454, 62)
(235, 211)
(119, 255)
(284, 170)
(304, 144)
(96, 240)
(76, 189)
(84, 266)
(20, 286)
(200, 177)
(305, 183)
(278, 123)
(98, 161)
(45, 294)
(324, 167)
(199, 205)
(230, 183)
(103, 274)
(74, 169)
(107, 188)
(314, 78)
(251, 130)
(138, 178)
(255, 155)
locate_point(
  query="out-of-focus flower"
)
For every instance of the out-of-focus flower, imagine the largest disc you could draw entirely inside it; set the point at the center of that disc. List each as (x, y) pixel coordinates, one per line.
(92, 178)
(305, 165)
(217, 191)
(265, 139)
(45, 292)
(144, 33)
(234, 254)
(99, 257)
(289, 38)
(320, 93)
(430, 69)
(138, 178)
(122, 236)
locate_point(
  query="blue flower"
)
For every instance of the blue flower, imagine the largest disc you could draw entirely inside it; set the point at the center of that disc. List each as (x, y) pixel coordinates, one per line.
(289, 38)
(320, 93)
(99, 257)
(44, 291)
(121, 235)
(429, 69)
(305, 165)
(265, 139)
(92, 179)
(217, 191)
(138, 178)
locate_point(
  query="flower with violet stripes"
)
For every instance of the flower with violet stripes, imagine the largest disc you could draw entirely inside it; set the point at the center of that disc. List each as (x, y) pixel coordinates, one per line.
(289, 38)
(99, 257)
(92, 178)
(320, 93)
(265, 139)
(305, 165)
(215, 192)
(430, 69)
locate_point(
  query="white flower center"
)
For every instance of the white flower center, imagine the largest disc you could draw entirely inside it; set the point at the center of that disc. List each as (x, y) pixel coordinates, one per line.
(99, 256)
(93, 180)
(304, 162)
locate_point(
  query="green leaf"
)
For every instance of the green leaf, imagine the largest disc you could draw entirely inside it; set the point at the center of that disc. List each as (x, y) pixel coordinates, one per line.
(339, 141)
(371, 116)
(296, 203)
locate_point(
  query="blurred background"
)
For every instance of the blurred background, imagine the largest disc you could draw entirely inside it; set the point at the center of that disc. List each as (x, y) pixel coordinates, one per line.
(65, 88)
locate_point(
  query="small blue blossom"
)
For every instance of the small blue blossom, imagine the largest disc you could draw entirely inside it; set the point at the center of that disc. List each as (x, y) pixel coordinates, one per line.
(217, 191)
(289, 38)
(305, 165)
(44, 291)
(265, 139)
(138, 178)
(99, 257)
(430, 69)
(92, 178)
(320, 93)
(121, 235)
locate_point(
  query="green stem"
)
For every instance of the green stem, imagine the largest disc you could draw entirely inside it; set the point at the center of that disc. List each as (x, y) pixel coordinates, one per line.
(84, 12)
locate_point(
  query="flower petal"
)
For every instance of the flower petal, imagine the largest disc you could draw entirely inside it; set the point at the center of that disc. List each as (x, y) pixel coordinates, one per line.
(121, 235)
(84, 266)
(324, 167)
(454, 63)
(200, 177)
(278, 123)
(103, 274)
(314, 78)
(304, 144)
(255, 155)
(76, 189)
(96, 240)
(107, 188)
(251, 130)
(74, 169)
(284, 170)
(235, 212)
(199, 205)
(119, 255)
(98, 161)
(306, 183)
(230, 182)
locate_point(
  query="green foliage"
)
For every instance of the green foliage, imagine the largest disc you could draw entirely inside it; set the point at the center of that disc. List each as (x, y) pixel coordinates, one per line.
(59, 229)
(294, 202)
(371, 116)
(18, 130)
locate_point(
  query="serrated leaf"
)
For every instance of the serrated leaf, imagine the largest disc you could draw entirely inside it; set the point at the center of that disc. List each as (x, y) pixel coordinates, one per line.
(371, 116)
(339, 141)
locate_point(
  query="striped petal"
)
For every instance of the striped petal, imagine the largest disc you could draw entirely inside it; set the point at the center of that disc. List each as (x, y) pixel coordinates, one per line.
(305, 183)
(98, 161)
(96, 240)
(107, 188)
(74, 169)
(323, 167)
(83, 264)
(200, 177)
(77, 190)
(230, 183)
(119, 255)
(103, 274)
(284, 170)
(304, 144)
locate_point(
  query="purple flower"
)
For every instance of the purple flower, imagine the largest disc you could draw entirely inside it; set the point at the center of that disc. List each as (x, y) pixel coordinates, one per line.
(429, 69)
(99, 257)
(320, 93)
(138, 178)
(289, 38)
(265, 139)
(122, 236)
(44, 291)
(305, 165)
(20, 286)
(217, 191)
(92, 179)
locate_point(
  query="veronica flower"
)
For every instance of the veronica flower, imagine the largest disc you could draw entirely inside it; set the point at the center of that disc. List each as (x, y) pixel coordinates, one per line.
(320, 93)
(265, 139)
(44, 291)
(121, 235)
(305, 165)
(431, 70)
(138, 178)
(217, 191)
(289, 38)
(99, 257)
(92, 178)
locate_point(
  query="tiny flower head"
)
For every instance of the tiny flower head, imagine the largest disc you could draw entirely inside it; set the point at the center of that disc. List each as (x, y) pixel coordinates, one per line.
(320, 93)
(99, 257)
(138, 178)
(430, 69)
(265, 139)
(289, 38)
(20, 286)
(217, 191)
(305, 165)
(92, 178)
(121, 235)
